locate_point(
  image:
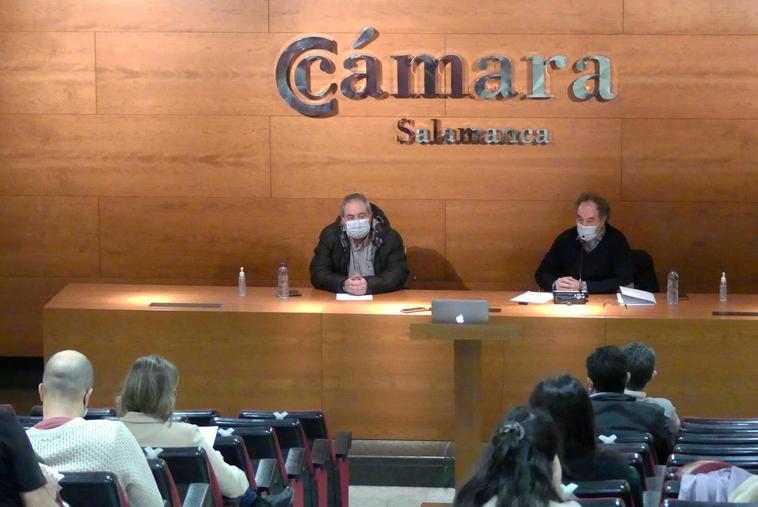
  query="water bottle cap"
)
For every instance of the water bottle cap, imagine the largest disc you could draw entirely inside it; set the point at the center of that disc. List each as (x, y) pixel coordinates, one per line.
(242, 269)
(283, 263)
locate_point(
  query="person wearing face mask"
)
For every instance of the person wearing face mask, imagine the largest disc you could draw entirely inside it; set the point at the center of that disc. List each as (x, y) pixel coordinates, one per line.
(594, 256)
(359, 253)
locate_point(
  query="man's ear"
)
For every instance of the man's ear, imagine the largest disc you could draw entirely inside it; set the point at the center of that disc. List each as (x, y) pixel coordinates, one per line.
(655, 372)
(41, 391)
(590, 385)
(87, 396)
(628, 376)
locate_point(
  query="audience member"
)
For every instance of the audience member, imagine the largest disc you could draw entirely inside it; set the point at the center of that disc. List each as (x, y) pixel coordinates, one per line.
(66, 441)
(520, 467)
(22, 482)
(146, 405)
(568, 402)
(640, 360)
(615, 411)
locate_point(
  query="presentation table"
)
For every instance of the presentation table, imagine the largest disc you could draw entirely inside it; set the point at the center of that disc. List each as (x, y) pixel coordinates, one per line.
(357, 361)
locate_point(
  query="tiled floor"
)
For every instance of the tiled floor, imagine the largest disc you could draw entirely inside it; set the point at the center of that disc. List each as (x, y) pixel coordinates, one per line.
(385, 496)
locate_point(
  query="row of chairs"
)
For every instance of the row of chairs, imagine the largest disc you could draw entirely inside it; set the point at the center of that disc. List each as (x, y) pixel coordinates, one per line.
(277, 450)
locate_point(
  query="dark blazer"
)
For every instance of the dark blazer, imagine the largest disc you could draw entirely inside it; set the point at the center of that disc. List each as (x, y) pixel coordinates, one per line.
(618, 412)
(331, 257)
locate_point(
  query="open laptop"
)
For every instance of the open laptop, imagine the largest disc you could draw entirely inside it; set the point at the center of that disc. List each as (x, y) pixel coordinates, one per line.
(460, 311)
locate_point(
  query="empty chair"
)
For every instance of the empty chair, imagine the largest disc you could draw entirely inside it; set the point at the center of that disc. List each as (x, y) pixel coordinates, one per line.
(634, 460)
(601, 502)
(199, 416)
(296, 450)
(198, 495)
(718, 438)
(628, 437)
(644, 271)
(605, 489)
(720, 421)
(682, 503)
(233, 449)
(266, 457)
(190, 465)
(327, 452)
(748, 429)
(7, 406)
(84, 489)
(27, 421)
(746, 462)
(717, 449)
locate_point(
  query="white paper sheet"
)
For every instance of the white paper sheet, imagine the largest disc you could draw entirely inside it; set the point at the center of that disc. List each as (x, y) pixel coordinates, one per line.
(533, 297)
(209, 433)
(350, 297)
(635, 297)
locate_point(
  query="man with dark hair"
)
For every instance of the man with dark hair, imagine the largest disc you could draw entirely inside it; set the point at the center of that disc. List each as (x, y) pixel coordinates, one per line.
(359, 253)
(640, 359)
(608, 375)
(594, 256)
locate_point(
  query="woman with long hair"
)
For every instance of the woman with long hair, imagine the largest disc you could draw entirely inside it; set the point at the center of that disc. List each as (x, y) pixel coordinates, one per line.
(520, 467)
(146, 406)
(569, 404)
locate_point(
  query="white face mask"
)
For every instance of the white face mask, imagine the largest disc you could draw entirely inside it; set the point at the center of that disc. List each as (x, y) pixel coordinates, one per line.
(586, 232)
(357, 229)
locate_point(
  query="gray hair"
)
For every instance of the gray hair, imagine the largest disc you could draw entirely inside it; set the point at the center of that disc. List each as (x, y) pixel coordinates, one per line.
(640, 361)
(603, 208)
(150, 388)
(68, 375)
(354, 197)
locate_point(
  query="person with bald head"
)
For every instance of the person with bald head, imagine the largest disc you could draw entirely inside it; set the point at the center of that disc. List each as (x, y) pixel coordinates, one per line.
(68, 443)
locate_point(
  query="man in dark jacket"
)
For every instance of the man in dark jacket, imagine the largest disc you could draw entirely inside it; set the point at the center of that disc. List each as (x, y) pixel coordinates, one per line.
(359, 253)
(593, 256)
(615, 411)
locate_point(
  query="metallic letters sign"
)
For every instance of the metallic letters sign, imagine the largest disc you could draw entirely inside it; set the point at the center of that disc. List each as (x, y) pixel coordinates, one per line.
(364, 76)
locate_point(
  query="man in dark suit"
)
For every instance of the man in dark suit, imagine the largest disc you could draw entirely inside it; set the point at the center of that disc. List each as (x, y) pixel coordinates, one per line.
(615, 411)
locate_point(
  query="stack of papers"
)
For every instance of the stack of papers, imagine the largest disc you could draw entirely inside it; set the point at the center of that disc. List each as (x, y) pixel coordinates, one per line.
(635, 297)
(350, 297)
(533, 297)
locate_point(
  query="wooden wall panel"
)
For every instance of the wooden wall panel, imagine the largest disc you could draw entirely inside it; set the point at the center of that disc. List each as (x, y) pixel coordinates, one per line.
(721, 347)
(419, 382)
(584, 154)
(208, 73)
(447, 16)
(48, 236)
(274, 377)
(223, 234)
(21, 302)
(135, 16)
(718, 17)
(134, 155)
(502, 243)
(47, 72)
(539, 353)
(661, 164)
(699, 239)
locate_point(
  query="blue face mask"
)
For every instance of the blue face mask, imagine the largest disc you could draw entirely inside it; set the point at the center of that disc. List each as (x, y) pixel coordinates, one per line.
(357, 229)
(586, 232)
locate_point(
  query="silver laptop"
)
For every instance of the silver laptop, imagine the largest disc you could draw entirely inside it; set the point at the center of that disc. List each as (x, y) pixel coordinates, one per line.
(460, 311)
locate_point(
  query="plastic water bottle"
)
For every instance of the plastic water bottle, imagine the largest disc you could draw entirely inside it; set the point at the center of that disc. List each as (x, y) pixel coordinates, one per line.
(283, 281)
(722, 288)
(241, 283)
(672, 287)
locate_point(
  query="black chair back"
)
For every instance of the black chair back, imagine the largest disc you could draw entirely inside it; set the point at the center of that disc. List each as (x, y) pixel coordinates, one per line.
(84, 489)
(199, 416)
(190, 465)
(605, 489)
(718, 439)
(165, 482)
(601, 502)
(717, 449)
(644, 271)
(683, 503)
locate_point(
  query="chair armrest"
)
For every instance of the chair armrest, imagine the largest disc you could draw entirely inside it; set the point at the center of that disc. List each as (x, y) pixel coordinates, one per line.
(342, 443)
(320, 452)
(264, 475)
(198, 495)
(295, 462)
